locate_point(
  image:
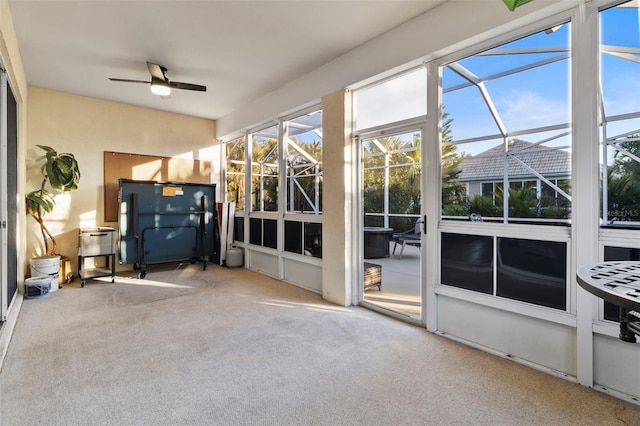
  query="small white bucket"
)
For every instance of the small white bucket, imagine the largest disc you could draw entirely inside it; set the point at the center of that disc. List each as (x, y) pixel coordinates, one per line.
(37, 287)
(46, 266)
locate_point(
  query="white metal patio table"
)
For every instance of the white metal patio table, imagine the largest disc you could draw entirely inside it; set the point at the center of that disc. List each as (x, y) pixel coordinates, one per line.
(619, 283)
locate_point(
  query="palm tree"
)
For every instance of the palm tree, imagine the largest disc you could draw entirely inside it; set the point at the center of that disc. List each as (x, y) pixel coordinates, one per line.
(523, 202)
(453, 192)
(623, 182)
(623, 193)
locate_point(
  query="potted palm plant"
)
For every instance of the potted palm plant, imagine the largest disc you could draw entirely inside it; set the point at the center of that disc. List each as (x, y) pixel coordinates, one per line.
(61, 173)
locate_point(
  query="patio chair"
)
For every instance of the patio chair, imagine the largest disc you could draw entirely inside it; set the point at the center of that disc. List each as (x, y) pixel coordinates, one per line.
(410, 237)
(475, 217)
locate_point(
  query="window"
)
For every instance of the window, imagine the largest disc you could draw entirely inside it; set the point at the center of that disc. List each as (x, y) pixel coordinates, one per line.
(467, 262)
(313, 239)
(238, 228)
(532, 271)
(391, 162)
(293, 236)
(506, 118)
(303, 238)
(620, 120)
(526, 270)
(263, 232)
(285, 155)
(391, 167)
(488, 189)
(235, 154)
(551, 197)
(396, 99)
(303, 143)
(264, 170)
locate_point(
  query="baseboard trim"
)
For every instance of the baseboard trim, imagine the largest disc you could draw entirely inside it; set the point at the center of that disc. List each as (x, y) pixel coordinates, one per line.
(6, 332)
(515, 359)
(617, 394)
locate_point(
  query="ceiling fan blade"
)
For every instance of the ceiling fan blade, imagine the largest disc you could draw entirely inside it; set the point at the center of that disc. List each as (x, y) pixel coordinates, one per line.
(158, 78)
(187, 86)
(128, 81)
(156, 70)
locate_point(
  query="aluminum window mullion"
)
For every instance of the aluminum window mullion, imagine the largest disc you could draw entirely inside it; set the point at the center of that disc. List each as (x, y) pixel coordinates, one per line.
(604, 167)
(505, 183)
(584, 245)
(386, 190)
(248, 180)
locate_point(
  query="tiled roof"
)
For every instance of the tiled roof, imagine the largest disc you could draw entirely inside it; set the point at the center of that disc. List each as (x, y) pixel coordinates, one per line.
(489, 165)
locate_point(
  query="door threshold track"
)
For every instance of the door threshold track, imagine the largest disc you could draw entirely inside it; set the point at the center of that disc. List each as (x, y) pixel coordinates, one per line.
(394, 314)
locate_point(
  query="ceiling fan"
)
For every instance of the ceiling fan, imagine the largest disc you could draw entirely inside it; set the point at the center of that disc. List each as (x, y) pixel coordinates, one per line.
(160, 84)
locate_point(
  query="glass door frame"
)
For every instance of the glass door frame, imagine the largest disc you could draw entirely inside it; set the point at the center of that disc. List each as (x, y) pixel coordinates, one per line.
(9, 189)
(431, 193)
(414, 125)
(5, 297)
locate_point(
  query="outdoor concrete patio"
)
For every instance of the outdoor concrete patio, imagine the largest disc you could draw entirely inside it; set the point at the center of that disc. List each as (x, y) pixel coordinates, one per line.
(400, 282)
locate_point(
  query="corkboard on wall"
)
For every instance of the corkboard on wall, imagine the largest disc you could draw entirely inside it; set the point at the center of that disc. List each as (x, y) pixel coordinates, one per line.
(118, 165)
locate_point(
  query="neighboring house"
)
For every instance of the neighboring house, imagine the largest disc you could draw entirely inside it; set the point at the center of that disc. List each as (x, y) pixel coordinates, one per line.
(483, 174)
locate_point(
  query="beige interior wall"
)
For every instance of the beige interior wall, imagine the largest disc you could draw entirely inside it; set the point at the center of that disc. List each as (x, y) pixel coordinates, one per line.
(86, 127)
(10, 52)
(336, 203)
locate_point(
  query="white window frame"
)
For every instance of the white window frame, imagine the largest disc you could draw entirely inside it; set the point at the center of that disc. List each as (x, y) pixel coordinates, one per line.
(510, 230)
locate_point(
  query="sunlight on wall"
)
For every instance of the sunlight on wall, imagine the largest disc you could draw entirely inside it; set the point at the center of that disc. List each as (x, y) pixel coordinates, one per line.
(88, 219)
(187, 155)
(171, 169)
(206, 154)
(151, 170)
(210, 153)
(61, 212)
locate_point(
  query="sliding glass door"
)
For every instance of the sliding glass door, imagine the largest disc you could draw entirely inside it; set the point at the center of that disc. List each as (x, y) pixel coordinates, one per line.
(8, 195)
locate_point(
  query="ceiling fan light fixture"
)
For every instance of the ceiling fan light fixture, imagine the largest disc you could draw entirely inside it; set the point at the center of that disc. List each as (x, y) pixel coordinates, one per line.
(160, 84)
(160, 89)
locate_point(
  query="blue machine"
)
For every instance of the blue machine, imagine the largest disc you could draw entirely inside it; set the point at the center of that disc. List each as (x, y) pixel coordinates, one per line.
(166, 222)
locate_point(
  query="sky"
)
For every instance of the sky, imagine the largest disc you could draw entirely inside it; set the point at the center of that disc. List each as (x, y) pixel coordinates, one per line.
(532, 98)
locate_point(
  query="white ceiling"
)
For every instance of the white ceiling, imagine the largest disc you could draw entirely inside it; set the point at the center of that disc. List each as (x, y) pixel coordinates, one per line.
(240, 50)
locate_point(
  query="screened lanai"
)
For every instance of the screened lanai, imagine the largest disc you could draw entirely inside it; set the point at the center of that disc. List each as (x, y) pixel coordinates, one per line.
(273, 176)
(505, 123)
(486, 163)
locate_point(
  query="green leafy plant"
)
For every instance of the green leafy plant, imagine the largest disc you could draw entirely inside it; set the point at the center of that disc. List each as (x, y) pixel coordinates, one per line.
(622, 193)
(484, 206)
(513, 4)
(61, 172)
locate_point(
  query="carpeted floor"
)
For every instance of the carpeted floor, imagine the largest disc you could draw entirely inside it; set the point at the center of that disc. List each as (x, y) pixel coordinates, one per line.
(233, 347)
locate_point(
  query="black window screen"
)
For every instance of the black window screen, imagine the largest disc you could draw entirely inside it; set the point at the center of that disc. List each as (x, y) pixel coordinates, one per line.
(313, 239)
(293, 236)
(270, 233)
(255, 231)
(533, 271)
(467, 262)
(238, 228)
